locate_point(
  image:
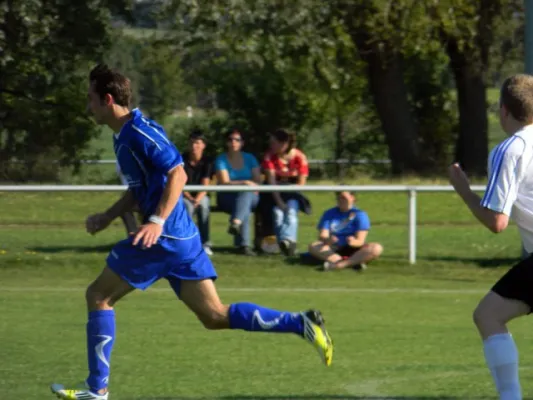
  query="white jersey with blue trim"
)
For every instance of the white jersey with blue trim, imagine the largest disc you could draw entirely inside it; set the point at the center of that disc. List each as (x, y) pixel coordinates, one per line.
(510, 185)
(145, 156)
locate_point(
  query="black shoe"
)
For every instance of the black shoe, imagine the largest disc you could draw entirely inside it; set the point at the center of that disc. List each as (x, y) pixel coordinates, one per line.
(247, 251)
(234, 229)
(284, 246)
(287, 247)
(359, 267)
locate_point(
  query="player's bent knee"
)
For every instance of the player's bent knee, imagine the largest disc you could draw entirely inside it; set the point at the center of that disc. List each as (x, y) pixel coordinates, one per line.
(376, 249)
(95, 299)
(215, 318)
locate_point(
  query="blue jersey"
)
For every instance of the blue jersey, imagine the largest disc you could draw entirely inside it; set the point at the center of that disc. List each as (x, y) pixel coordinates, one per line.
(344, 224)
(145, 156)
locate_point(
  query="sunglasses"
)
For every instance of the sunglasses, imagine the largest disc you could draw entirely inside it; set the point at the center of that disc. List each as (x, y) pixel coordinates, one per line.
(234, 139)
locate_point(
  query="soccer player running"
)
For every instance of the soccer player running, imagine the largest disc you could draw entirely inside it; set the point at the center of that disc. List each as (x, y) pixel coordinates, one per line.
(167, 245)
(509, 193)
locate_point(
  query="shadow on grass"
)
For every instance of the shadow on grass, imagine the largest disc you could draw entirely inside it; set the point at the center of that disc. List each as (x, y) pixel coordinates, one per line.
(482, 262)
(104, 248)
(316, 397)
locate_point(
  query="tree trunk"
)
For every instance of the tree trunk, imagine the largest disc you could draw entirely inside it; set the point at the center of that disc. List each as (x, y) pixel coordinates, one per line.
(471, 149)
(388, 88)
(339, 144)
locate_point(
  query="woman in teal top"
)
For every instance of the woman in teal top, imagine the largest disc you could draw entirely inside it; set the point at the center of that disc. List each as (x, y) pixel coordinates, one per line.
(236, 167)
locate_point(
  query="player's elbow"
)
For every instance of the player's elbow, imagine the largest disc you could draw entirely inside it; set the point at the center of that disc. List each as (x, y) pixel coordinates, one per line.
(499, 224)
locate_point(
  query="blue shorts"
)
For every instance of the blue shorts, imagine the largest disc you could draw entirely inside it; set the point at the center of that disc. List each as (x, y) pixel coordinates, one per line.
(172, 259)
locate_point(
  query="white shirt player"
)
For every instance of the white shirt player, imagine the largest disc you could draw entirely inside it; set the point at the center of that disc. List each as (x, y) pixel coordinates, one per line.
(510, 186)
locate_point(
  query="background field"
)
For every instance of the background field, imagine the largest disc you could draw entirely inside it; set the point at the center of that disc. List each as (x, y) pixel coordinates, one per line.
(400, 331)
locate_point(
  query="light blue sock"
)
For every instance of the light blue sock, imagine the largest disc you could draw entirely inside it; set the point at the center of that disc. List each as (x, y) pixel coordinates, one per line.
(502, 359)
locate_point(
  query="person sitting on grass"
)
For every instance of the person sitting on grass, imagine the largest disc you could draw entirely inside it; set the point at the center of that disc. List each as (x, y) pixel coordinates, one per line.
(342, 237)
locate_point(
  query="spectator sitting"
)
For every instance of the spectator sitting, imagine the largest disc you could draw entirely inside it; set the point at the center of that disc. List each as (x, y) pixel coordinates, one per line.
(284, 164)
(198, 168)
(236, 167)
(342, 237)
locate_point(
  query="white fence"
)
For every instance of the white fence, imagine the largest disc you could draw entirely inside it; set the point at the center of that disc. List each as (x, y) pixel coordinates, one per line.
(410, 190)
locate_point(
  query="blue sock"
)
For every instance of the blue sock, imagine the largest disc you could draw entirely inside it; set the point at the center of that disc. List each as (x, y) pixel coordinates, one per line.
(251, 317)
(100, 339)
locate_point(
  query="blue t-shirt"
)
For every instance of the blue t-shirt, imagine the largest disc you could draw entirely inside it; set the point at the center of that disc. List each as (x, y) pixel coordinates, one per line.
(145, 156)
(344, 224)
(243, 174)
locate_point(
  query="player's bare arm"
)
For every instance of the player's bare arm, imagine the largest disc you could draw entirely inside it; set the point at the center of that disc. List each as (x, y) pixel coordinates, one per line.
(150, 232)
(495, 221)
(98, 222)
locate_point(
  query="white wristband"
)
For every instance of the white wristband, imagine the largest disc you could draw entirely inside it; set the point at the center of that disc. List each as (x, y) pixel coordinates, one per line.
(156, 220)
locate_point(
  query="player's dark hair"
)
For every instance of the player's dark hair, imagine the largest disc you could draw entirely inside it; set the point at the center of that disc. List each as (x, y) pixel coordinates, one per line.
(517, 97)
(283, 136)
(109, 81)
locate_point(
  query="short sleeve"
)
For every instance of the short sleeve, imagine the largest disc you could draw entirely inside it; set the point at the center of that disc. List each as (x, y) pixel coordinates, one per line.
(303, 164)
(268, 163)
(506, 170)
(362, 222)
(156, 148)
(220, 163)
(325, 221)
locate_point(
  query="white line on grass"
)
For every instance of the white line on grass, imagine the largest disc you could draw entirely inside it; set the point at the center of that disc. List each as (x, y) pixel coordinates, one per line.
(268, 290)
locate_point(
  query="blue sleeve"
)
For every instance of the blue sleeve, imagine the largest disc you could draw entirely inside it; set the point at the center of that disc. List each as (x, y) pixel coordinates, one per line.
(363, 222)
(325, 221)
(155, 148)
(220, 163)
(251, 161)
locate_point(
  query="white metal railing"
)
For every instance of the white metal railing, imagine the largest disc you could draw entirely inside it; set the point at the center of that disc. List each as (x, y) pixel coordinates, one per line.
(411, 191)
(345, 161)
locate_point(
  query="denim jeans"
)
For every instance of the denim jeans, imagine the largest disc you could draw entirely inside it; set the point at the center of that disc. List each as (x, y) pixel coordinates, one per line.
(239, 206)
(202, 213)
(286, 222)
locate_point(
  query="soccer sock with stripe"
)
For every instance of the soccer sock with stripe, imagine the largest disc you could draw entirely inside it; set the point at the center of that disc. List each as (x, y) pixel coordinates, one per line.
(252, 317)
(100, 339)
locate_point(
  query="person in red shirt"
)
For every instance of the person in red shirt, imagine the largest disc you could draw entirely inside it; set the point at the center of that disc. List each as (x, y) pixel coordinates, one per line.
(284, 164)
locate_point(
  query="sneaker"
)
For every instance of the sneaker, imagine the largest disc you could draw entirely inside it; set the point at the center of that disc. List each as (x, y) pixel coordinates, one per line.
(208, 250)
(360, 267)
(247, 251)
(328, 266)
(234, 228)
(315, 333)
(76, 394)
(284, 246)
(287, 247)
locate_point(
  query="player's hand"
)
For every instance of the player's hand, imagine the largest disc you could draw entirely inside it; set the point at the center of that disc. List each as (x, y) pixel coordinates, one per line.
(148, 234)
(458, 178)
(97, 222)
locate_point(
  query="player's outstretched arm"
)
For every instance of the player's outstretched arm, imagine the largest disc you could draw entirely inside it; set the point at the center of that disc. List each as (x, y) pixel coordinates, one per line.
(495, 221)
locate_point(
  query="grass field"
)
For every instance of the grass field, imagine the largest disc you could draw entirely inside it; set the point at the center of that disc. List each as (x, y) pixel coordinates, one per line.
(401, 331)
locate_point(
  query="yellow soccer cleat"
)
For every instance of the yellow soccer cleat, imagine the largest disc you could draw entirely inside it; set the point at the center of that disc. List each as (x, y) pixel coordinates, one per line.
(315, 332)
(76, 394)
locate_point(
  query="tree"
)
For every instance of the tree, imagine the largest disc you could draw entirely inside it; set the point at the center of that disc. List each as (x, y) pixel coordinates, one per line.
(466, 29)
(46, 51)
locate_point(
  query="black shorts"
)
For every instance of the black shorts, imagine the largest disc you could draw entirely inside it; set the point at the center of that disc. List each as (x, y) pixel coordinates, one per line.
(517, 283)
(347, 251)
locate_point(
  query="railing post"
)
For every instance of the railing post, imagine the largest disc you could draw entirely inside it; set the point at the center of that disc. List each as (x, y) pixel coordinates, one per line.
(412, 226)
